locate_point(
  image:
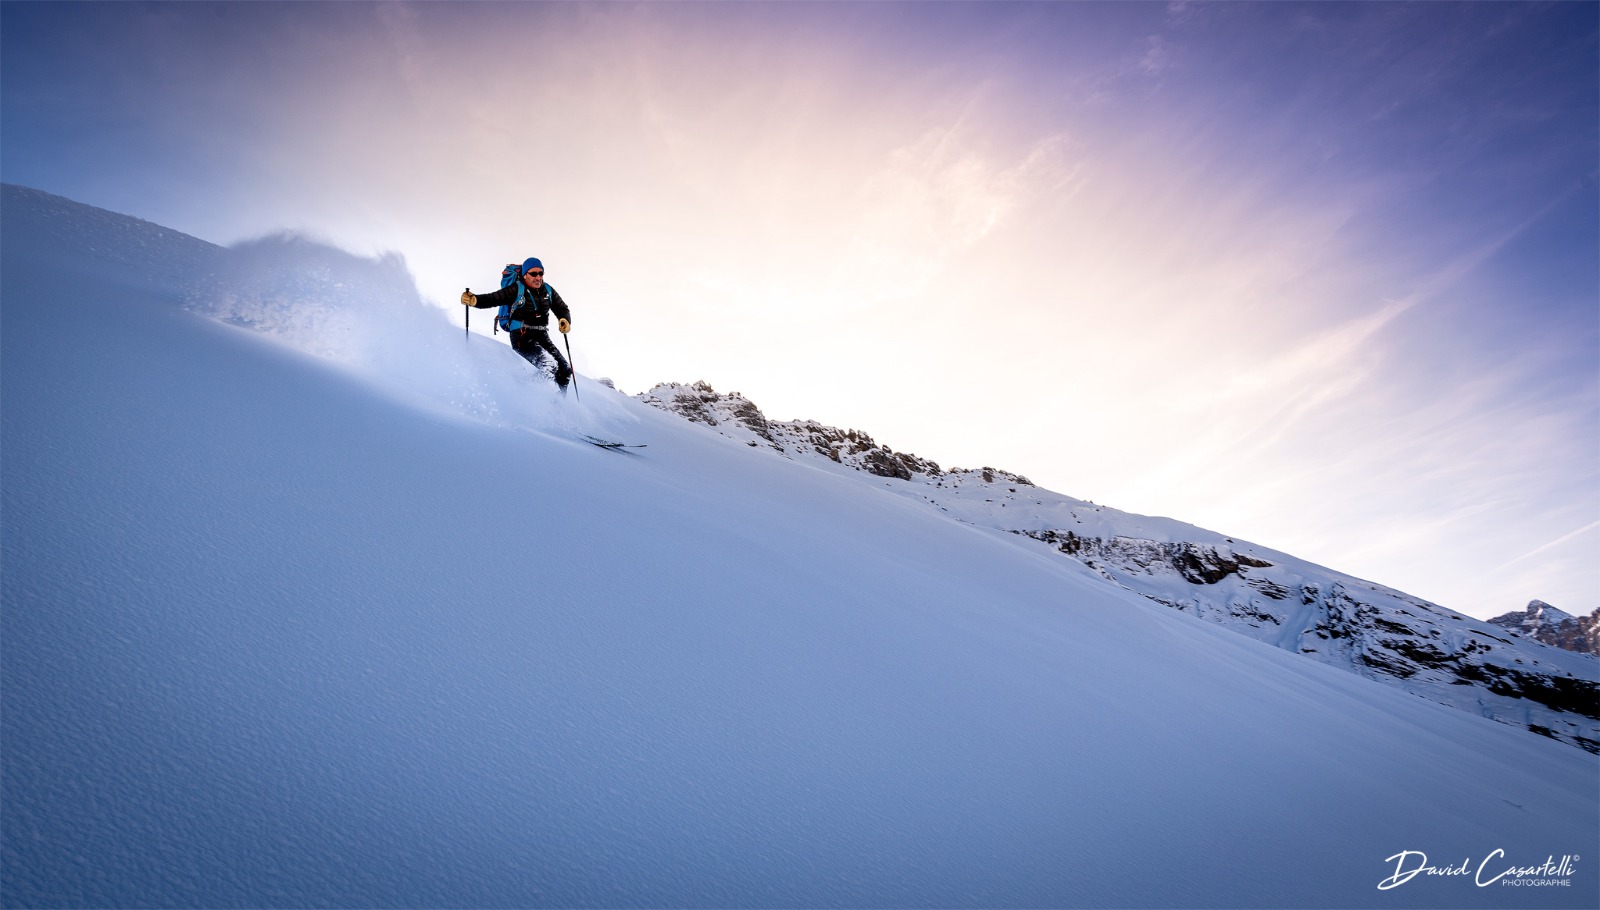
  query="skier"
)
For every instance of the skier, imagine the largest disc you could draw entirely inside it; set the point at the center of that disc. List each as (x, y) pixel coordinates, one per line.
(530, 302)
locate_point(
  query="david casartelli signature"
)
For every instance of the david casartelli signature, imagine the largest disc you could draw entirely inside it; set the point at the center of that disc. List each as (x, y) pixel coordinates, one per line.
(1408, 864)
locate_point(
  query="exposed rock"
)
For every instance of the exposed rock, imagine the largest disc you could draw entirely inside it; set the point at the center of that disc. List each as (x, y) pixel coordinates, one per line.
(1197, 563)
(1542, 622)
(701, 403)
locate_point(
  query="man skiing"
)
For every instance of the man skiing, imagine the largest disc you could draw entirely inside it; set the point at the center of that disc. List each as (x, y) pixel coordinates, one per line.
(529, 302)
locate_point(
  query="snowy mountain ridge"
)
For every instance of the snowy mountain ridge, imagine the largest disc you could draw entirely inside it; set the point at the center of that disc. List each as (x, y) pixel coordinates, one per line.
(1335, 619)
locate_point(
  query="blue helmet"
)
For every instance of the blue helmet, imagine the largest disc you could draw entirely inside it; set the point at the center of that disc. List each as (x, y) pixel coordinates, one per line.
(531, 263)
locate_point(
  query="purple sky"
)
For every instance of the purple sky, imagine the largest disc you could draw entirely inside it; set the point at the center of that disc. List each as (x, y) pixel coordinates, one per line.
(1323, 276)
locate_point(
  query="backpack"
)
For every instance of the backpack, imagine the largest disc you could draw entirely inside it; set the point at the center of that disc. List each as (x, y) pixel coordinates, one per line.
(512, 274)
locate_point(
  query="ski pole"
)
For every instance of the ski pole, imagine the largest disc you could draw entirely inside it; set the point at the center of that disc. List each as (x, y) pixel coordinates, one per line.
(466, 316)
(571, 365)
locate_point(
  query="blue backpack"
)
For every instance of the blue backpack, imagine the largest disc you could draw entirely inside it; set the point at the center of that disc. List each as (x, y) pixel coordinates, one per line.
(513, 275)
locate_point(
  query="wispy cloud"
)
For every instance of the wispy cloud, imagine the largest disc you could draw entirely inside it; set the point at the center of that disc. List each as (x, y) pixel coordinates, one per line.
(936, 199)
(1565, 538)
(1464, 264)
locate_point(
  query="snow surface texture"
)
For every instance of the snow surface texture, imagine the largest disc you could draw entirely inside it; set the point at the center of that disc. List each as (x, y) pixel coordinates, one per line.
(284, 630)
(1270, 596)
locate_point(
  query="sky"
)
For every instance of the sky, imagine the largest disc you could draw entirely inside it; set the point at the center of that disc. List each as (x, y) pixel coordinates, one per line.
(1322, 276)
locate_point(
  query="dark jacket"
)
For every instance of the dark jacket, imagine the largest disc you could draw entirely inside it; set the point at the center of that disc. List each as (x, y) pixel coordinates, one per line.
(536, 306)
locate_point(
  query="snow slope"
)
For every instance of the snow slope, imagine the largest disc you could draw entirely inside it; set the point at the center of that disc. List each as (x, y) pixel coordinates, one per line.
(1324, 615)
(333, 612)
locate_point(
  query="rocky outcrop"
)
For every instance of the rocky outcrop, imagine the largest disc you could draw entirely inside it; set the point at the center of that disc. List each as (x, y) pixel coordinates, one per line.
(1542, 622)
(736, 416)
(855, 448)
(1195, 563)
(700, 403)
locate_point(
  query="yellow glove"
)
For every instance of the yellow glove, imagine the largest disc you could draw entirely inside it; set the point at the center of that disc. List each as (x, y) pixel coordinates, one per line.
(564, 325)
(469, 299)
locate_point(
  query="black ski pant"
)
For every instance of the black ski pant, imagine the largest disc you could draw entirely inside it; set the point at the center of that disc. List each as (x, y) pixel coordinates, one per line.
(534, 344)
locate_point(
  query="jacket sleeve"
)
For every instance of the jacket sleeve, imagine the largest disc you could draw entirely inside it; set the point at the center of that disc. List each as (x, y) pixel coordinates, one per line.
(559, 306)
(503, 296)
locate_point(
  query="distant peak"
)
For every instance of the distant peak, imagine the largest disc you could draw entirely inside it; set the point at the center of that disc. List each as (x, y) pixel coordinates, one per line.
(1545, 623)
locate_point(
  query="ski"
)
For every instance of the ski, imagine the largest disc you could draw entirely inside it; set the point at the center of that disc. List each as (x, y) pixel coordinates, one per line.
(609, 444)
